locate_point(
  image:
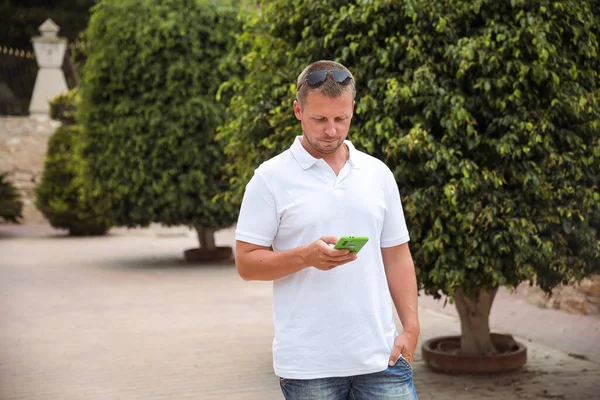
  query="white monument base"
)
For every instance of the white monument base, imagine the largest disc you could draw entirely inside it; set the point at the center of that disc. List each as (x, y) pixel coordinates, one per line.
(49, 83)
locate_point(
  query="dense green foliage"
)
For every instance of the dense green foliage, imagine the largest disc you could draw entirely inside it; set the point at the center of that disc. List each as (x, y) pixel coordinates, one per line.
(63, 106)
(11, 204)
(61, 194)
(487, 112)
(149, 111)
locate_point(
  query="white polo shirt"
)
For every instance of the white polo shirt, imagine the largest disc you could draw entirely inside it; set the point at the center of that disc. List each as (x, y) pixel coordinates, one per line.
(338, 322)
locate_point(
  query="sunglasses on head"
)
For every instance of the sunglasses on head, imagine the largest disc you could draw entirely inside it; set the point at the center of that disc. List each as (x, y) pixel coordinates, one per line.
(316, 78)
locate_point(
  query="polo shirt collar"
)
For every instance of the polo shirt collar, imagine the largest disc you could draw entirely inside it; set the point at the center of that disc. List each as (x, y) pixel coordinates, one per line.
(306, 160)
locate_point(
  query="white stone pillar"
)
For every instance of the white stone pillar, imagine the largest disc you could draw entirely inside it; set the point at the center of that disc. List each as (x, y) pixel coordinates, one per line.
(50, 81)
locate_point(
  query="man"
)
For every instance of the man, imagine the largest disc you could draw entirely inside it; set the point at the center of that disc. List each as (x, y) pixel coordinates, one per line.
(335, 335)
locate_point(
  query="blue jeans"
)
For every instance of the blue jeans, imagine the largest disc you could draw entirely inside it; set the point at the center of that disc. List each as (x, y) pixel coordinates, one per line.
(395, 383)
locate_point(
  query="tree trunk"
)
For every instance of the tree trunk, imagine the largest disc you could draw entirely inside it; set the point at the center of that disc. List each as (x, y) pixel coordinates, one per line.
(475, 322)
(206, 238)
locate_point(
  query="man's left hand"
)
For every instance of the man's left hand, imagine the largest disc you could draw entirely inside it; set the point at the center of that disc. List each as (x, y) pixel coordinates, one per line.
(405, 344)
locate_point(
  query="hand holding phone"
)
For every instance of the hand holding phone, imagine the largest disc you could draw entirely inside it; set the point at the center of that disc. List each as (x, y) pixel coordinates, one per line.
(352, 243)
(322, 256)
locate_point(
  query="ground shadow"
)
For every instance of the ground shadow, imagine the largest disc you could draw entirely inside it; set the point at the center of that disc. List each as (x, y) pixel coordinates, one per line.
(160, 263)
(43, 231)
(8, 232)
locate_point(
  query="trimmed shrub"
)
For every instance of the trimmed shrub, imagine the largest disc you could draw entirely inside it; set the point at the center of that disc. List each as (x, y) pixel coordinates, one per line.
(150, 114)
(11, 204)
(63, 106)
(61, 195)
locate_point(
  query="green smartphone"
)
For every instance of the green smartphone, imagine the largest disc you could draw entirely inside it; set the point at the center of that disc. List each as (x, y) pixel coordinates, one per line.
(352, 243)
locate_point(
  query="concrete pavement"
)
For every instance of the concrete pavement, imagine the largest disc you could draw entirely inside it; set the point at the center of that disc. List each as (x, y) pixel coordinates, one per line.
(122, 317)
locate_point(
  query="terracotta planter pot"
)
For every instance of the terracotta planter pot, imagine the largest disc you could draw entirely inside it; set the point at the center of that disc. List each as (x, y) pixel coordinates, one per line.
(201, 256)
(440, 355)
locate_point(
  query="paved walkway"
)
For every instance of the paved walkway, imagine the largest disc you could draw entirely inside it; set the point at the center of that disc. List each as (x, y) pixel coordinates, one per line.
(121, 317)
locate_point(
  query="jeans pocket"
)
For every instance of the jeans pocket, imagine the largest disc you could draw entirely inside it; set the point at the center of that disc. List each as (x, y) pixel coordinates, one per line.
(283, 381)
(405, 363)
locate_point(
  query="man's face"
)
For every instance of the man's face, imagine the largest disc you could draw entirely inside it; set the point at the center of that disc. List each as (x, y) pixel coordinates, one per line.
(325, 120)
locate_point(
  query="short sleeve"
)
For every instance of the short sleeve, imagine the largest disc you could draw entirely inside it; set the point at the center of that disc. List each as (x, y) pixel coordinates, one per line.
(394, 231)
(257, 222)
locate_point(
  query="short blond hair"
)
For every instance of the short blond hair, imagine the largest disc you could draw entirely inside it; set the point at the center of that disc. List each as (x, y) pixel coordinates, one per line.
(330, 87)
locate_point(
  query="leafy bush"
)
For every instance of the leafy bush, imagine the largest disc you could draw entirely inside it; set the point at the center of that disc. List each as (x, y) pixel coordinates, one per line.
(61, 194)
(487, 112)
(11, 204)
(149, 110)
(63, 106)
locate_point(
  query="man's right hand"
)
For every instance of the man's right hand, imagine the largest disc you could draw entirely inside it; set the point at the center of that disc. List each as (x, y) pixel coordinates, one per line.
(320, 255)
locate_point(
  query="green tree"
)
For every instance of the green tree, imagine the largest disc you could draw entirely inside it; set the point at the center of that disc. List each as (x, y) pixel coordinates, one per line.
(487, 112)
(150, 115)
(62, 194)
(11, 204)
